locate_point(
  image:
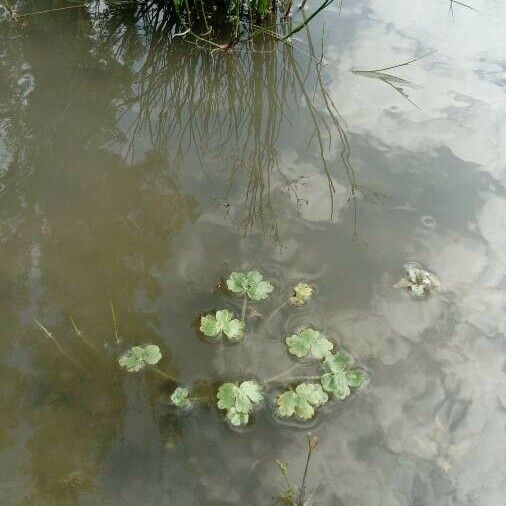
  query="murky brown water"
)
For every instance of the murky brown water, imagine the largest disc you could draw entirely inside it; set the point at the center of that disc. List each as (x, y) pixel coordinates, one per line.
(140, 172)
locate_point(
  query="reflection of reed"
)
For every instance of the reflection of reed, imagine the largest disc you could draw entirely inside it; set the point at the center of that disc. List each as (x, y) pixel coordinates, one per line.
(232, 106)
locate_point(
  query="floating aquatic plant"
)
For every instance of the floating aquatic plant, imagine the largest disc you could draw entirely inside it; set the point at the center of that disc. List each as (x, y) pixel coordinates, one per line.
(301, 402)
(309, 341)
(238, 400)
(250, 283)
(179, 397)
(302, 292)
(337, 380)
(138, 357)
(418, 281)
(223, 322)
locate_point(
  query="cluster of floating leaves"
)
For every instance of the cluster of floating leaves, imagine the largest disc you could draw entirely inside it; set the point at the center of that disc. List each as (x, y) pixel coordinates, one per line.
(239, 400)
(335, 380)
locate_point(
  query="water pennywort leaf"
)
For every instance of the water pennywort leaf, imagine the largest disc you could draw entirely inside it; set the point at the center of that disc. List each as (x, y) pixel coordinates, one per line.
(302, 292)
(152, 354)
(355, 378)
(302, 402)
(252, 390)
(336, 363)
(309, 341)
(337, 380)
(336, 383)
(179, 397)
(137, 357)
(222, 322)
(238, 400)
(251, 283)
(236, 417)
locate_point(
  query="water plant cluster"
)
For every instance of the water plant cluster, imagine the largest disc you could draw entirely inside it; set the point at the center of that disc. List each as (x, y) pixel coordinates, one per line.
(216, 24)
(301, 397)
(295, 397)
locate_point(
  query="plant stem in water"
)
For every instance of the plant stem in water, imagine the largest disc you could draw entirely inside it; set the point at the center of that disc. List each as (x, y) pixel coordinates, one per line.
(274, 313)
(163, 374)
(115, 324)
(80, 334)
(292, 378)
(244, 307)
(57, 344)
(300, 501)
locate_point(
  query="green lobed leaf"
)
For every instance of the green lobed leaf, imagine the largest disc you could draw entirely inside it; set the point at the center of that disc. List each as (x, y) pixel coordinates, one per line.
(152, 354)
(234, 329)
(355, 378)
(251, 283)
(336, 383)
(237, 282)
(222, 321)
(287, 402)
(313, 393)
(336, 363)
(223, 318)
(309, 340)
(239, 399)
(226, 395)
(252, 390)
(209, 326)
(302, 402)
(242, 402)
(137, 357)
(132, 359)
(258, 289)
(180, 397)
(237, 418)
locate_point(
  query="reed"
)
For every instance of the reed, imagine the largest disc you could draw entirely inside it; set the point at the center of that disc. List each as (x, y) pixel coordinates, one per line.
(220, 24)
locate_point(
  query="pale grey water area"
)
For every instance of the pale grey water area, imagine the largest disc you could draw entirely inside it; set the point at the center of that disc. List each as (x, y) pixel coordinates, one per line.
(141, 172)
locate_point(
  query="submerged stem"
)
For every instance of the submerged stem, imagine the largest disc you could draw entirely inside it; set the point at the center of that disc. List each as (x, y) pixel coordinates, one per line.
(300, 501)
(57, 344)
(274, 313)
(115, 325)
(292, 378)
(163, 373)
(87, 342)
(244, 307)
(284, 373)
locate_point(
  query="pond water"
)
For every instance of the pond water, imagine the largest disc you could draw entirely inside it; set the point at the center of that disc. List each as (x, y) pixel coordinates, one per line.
(141, 172)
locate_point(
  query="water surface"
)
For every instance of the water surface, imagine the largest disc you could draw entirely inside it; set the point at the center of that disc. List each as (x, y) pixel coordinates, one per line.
(139, 171)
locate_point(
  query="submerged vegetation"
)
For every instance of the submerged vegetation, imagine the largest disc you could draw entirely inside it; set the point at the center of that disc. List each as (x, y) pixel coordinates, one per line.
(239, 399)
